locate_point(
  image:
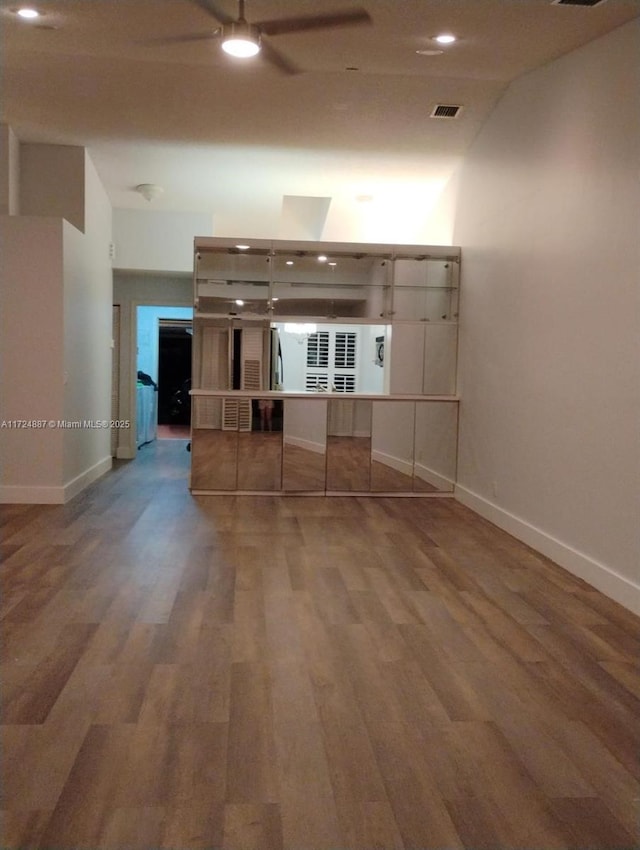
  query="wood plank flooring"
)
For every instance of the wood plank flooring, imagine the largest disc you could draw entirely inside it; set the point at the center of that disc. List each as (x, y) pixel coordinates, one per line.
(304, 673)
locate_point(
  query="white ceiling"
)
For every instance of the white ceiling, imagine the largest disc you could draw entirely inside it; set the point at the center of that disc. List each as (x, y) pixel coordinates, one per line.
(189, 118)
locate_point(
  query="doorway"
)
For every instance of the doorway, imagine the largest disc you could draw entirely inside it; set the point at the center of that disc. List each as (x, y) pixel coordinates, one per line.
(174, 378)
(163, 372)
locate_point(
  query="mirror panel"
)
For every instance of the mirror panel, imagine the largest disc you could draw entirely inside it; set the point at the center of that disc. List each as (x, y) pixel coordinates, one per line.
(392, 439)
(338, 286)
(331, 356)
(214, 448)
(304, 445)
(349, 445)
(436, 438)
(260, 448)
(440, 359)
(233, 282)
(426, 290)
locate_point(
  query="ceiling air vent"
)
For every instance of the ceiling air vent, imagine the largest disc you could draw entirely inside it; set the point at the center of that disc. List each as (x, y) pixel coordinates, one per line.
(443, 110)
(577, 2)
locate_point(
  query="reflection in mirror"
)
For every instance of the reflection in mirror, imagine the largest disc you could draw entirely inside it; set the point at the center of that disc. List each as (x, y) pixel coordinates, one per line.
(337, 285)
(440, 359)
(392, 446)
(233, 282)
(426, 290)
(331, 356)
(214, 448)
(304, 444)
(260, 447)
(349, 445)
(435, 446)
(422, 358)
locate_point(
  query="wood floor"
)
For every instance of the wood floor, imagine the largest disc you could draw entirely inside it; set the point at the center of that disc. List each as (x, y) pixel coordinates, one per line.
(304, 673)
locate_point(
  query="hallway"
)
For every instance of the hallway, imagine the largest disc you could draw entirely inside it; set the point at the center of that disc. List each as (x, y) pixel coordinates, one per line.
(304, 673)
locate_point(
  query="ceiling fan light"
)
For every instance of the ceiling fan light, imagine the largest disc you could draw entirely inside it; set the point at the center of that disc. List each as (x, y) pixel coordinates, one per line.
(446, 38)
(241, 40)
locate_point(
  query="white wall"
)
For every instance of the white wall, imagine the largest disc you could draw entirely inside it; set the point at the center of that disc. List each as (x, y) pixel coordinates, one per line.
(56, 340)
(548, 215)
(31, 358)
(88, 296)
(146, 240)
(52, 182)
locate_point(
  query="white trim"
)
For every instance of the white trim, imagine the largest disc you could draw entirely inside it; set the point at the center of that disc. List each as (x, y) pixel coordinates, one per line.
(436, 479)
(78, 484)
(299, 442)
(403, 466)
(600, 576)
(42, 495)
(36, 495)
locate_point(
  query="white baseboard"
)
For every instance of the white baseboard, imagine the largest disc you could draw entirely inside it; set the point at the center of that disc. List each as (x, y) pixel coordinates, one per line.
(309, 445)
(436, 479)
(403, 466)
(603, 578)
(39, 495)
(78, 484)
(36, 495)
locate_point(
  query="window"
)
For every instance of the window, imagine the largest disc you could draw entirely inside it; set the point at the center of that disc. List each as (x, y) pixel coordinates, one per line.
(344, 383)
(332, 361)
(318, 350)
(317, 382)
(345, 351)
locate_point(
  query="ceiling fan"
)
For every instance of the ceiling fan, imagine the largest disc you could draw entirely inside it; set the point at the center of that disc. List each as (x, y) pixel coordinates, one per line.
(241, 38)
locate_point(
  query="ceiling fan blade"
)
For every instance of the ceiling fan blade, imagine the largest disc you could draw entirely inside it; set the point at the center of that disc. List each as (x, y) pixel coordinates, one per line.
(354, 17)
(179, 39)
(275, 58)
(214, 11)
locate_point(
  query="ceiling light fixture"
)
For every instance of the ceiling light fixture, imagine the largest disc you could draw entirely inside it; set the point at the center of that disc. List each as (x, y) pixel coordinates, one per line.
(149, 191)
(242, 247)
(239, 302)
(240, 39)
(322, 258)
(28, 14)
(445, 38)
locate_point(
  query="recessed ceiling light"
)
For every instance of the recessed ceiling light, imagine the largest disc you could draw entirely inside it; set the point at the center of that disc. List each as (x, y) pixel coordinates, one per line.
(242, 247)
(289, 262)
(275, 298)
(445, 38)
(322, 258)
(239, 302)
(28, 14)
